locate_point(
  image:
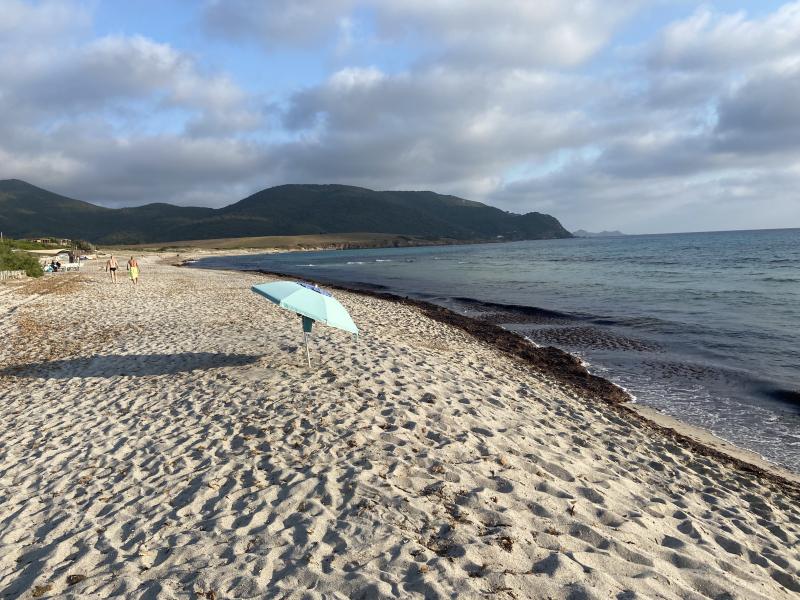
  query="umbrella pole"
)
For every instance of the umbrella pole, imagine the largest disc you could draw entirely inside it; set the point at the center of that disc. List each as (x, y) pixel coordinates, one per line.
(308, 323)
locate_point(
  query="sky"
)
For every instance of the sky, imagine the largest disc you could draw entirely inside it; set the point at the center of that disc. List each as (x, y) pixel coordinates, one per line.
(645, 116)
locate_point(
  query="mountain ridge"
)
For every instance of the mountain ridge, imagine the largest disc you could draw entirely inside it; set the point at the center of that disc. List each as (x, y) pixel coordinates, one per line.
(291, 209)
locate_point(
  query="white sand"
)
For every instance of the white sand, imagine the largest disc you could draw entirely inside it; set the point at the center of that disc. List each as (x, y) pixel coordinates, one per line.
(169, 442)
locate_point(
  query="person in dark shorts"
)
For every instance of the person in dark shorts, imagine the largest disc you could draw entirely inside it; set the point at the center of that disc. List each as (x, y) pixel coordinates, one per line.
(111, 267)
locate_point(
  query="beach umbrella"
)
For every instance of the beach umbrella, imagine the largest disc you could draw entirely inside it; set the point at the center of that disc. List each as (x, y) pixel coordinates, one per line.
(312, 303)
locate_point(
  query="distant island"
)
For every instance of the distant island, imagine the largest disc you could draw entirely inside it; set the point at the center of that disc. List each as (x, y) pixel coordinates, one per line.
(582, 233)
(27, 211)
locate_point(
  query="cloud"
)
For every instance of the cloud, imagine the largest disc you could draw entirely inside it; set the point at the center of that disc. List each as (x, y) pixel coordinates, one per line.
(113, 73)
(442, 128)
(510, 33)
(466, 32)
(152, 168)
(120, 119)
(590, 199)
(762, 115)
(529, 105)
(706, 137)
(52, 19)
(89, 159)
(709, 41)
(274, 23)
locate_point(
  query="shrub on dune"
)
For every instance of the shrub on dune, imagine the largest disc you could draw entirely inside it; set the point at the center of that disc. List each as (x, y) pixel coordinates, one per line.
(19, 260)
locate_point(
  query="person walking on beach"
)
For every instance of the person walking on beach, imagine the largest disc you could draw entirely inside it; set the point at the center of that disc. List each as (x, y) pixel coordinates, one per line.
(112, 266)
(133, 269)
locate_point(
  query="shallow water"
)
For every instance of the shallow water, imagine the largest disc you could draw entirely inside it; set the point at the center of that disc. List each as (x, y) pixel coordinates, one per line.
(703, 326)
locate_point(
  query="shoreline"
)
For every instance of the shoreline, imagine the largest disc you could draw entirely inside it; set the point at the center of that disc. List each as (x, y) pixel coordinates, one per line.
(176, 444)
(569, 372)
(313, 243)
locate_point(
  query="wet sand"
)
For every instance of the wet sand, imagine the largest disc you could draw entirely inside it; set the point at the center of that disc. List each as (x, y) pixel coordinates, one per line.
(168, 441)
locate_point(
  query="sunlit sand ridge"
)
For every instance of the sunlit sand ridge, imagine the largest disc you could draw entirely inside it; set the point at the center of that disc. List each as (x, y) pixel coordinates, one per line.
(169, 441)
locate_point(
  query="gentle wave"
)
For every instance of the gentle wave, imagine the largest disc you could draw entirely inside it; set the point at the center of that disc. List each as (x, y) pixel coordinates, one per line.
(784, 395)
(514, 308)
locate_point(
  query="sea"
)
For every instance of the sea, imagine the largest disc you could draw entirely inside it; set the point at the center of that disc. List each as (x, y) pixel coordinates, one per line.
(704, 327)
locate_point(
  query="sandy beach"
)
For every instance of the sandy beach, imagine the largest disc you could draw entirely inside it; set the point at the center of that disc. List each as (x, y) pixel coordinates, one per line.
(169, 441)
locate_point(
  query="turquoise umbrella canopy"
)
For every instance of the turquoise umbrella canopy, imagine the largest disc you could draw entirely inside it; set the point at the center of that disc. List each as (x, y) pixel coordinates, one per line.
(310, 302)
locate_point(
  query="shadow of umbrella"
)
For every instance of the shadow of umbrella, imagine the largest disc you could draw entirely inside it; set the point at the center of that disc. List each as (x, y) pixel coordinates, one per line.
(136, 365)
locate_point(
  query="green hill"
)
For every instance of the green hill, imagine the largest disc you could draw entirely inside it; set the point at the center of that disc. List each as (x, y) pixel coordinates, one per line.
(27, 211)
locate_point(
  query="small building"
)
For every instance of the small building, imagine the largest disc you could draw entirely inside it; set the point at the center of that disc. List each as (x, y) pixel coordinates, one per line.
(48, 241)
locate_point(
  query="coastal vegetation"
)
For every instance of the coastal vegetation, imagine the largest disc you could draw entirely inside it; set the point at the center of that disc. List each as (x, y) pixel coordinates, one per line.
(14, 258)
(25, 244)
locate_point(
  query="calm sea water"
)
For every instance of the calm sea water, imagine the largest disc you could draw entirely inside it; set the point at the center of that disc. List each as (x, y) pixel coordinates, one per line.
(702, 326)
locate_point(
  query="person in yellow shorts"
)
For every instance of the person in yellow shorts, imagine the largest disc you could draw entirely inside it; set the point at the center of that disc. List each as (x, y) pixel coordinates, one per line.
(133, 270)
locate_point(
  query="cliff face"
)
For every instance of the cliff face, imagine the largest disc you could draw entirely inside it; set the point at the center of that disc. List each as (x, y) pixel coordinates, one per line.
(28, 211)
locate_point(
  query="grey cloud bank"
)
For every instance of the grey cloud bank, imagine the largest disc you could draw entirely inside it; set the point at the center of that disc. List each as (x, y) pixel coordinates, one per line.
(528, 106)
